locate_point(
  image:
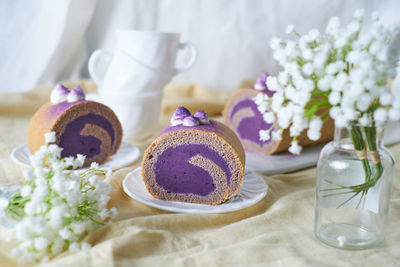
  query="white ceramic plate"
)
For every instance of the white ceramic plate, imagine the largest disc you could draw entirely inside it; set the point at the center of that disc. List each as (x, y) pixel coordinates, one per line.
(287, 162)
(125, 155)
(253, 190)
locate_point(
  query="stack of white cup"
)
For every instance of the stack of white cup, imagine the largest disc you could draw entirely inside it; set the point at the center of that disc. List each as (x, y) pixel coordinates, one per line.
(131, 79)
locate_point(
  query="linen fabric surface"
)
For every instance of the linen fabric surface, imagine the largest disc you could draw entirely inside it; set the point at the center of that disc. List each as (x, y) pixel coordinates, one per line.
(277, 231)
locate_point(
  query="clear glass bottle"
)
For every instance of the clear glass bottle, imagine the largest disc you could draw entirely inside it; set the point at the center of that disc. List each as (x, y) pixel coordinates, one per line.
(344, 219)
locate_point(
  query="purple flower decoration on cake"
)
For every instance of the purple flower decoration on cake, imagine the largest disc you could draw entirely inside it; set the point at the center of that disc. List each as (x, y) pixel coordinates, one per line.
(202, 116)
(59, 94)
(178, 116)
(261, 85)
(76, 94)
(190, 121)
(183, 116)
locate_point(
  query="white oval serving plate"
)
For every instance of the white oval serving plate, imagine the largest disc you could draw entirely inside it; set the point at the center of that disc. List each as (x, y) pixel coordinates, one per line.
(253, 190)
(125, 155)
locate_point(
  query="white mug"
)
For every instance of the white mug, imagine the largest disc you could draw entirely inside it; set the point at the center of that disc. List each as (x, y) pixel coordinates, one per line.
(120, 74)
(142, 62)
(155, 50)
(139, 115)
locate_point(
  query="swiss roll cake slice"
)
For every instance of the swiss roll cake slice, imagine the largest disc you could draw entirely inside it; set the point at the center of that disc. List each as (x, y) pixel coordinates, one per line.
(241, 114)
(194, 160)
(81, 127)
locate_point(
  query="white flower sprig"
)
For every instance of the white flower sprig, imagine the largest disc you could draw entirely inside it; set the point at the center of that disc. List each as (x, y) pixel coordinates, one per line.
(341, 73)
(55, 207)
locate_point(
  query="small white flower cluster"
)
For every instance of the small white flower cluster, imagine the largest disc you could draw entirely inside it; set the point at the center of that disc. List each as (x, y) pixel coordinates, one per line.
(341, 73)
(55, 207)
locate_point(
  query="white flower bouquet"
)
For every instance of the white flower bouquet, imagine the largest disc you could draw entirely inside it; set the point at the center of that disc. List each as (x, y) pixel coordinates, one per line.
(340, 74)
(55, 207)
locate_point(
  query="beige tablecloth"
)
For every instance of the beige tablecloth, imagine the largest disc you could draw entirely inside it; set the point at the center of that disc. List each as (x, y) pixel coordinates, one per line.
(277, 231)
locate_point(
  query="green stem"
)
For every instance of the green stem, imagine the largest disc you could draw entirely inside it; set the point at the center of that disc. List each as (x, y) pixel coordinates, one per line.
(359, 145)
(367, 169)
(370, 133)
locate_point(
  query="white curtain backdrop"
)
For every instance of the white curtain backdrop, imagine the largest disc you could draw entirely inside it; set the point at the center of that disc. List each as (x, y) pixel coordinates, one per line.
(45, 41)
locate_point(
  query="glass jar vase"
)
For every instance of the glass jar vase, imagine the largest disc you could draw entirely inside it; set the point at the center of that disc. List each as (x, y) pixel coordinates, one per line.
(354, 179)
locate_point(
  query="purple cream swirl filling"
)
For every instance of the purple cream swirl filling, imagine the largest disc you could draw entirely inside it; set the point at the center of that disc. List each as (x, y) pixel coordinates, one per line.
(248, 128)
(176, 174)
(74, 143)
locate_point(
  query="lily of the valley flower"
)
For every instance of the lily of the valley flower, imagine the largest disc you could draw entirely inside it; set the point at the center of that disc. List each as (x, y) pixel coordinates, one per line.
(341, 73)
(55, 208)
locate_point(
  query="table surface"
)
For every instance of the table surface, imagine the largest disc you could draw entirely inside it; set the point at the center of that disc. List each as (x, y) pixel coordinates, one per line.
(277, 231)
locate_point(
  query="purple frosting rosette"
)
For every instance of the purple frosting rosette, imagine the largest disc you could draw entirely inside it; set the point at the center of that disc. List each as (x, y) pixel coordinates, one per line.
(261, 85)
(182, 116)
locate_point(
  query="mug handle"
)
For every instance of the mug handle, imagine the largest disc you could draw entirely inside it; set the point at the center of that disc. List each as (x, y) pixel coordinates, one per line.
(98, 65)
(193, 51)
